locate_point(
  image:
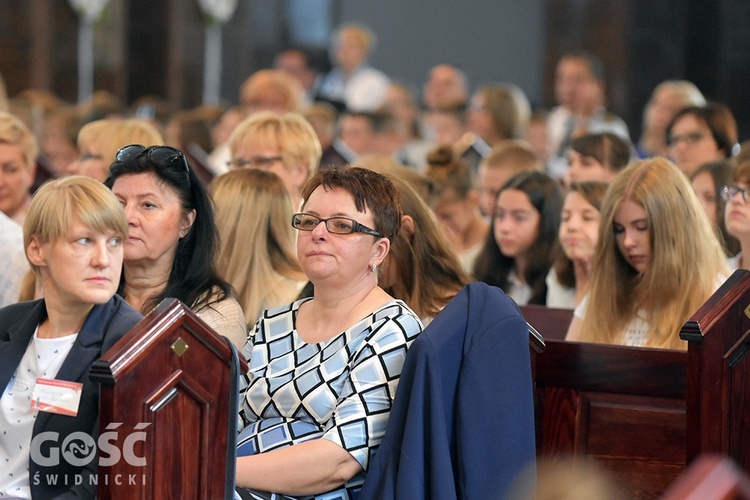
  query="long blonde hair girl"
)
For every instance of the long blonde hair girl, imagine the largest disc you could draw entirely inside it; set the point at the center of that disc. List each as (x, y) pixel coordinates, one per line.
(257, 253)
(686, 259)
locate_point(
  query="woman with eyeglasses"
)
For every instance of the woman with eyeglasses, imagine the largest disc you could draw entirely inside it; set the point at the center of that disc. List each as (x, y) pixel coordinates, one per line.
(657, 260)
(737, 214)
(283, 144)
(701, 134)
(324, 370)
(172, 240)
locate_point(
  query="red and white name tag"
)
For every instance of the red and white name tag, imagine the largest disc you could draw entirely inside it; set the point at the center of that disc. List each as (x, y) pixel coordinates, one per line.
(56, 396)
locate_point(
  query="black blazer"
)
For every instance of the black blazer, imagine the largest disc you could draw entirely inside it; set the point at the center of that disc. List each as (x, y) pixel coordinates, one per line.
(104, 326)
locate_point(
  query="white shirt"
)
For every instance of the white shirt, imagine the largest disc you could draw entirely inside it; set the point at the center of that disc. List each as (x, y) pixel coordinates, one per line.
(559, 296)
(634, 334)
(520, 292)
(734, 262)
(13, 263)
(363, 90)
(43, 358)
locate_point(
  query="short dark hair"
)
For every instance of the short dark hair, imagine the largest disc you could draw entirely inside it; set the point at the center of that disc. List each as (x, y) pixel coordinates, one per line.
(609, 149)
(370, 190)
(719, 120)
(193, 277)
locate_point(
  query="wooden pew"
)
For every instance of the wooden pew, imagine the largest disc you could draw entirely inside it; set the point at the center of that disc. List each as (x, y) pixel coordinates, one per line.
(646, 413)
(168, 408)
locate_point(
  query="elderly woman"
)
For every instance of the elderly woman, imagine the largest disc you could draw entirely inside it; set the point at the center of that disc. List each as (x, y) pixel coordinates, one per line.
(171, 245)
(318, 391)
(74, 234)
(18, 152)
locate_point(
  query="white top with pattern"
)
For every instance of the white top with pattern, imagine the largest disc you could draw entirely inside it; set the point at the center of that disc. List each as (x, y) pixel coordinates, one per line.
(341, 389)
(43, 358)
(634, 334)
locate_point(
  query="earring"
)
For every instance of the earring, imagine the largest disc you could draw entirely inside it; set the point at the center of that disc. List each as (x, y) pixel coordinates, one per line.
(374, 267)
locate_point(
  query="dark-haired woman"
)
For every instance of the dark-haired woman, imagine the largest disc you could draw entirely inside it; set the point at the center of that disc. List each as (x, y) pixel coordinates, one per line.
(324, 370)
(172, 238)
(700, 134)
(518, 252)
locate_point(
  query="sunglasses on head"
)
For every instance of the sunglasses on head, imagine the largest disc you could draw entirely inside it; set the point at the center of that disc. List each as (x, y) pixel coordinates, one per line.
(158, 155)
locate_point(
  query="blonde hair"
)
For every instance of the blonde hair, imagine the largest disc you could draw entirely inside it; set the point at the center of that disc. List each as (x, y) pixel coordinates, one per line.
(509, 108)
(57, 203)
(291, 133)
(108, 135)
(272, 82)
(514, 155)
(686, 259)
(257, 253)
(361, 34)
(14, 131)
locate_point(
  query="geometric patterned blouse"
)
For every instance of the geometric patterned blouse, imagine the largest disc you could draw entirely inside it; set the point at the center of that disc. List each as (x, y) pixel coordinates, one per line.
(341, 389)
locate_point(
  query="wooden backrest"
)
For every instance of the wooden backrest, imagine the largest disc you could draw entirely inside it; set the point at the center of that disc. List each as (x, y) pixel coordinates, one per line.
(550, 322)
(624, 406)
(645, 413)
(718, 399)
(166, 406)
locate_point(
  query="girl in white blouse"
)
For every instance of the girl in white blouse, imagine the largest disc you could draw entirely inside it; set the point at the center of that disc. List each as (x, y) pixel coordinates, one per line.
(656, 262)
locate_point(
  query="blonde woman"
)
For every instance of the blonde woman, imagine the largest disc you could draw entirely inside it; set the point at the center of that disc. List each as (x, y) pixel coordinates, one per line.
(283, 144)
(656, 262)
(99, 141)
(18, 151)
(257, 253)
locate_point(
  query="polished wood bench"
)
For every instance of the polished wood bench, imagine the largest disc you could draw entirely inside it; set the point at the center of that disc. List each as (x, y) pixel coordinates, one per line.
(647, 413)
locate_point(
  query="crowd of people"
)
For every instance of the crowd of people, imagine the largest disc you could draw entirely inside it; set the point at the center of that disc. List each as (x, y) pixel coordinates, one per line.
(324, 219)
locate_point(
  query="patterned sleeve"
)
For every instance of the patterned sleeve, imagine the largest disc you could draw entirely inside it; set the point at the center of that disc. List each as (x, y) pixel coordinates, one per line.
(361, 415)
(244, 382)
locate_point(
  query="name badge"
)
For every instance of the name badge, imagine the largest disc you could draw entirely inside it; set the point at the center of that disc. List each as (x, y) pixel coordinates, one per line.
(56, 396)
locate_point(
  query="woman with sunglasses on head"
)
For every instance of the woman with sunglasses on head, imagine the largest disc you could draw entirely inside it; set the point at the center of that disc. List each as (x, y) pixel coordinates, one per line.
(171, 245)
(657, 260)
(318, 394)
(73, 234)
(737, 214)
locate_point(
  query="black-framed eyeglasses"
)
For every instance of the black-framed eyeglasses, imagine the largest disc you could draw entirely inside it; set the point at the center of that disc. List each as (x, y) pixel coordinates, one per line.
(258, 161)
(334, 225)
(158, 155)
(729, 192)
